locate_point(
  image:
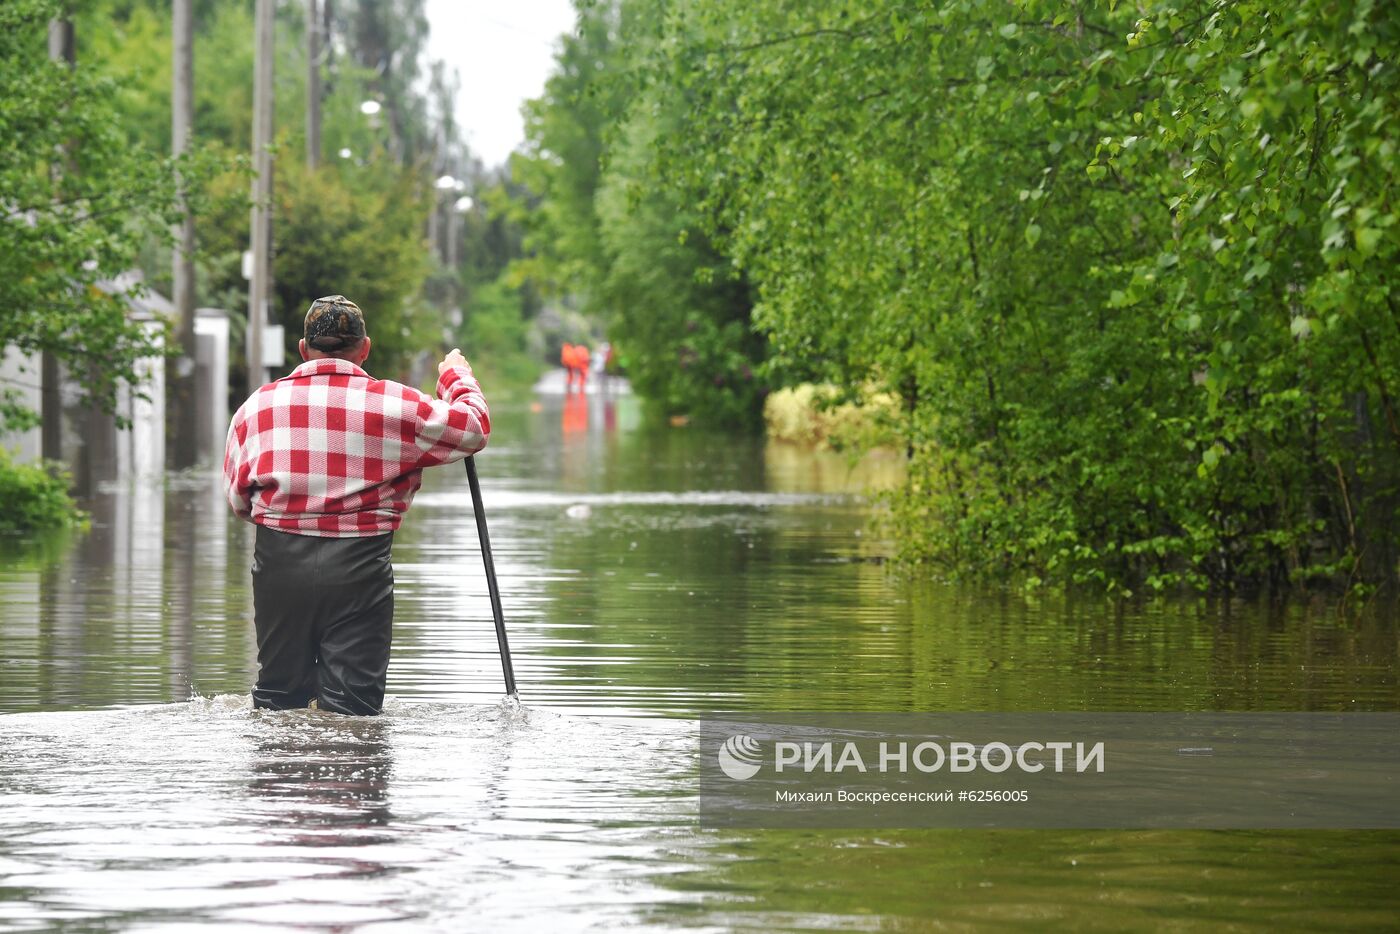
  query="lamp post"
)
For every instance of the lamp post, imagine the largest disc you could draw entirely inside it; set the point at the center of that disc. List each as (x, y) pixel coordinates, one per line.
(441, 186)
(454, 222)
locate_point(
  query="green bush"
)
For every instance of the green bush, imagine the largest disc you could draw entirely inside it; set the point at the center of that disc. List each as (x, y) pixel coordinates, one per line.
(823, 417)
(34, 498)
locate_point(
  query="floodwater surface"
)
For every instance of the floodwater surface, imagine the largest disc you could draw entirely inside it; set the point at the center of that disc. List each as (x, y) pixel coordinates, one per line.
(649, 577)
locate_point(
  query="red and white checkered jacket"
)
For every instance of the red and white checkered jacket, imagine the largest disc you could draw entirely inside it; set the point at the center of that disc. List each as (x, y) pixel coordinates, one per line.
(330, 451)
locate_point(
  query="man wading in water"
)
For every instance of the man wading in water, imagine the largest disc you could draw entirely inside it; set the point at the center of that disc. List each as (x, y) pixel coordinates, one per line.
(324, 462)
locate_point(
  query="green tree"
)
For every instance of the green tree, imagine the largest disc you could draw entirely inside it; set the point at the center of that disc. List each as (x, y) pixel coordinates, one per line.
(606, 229)
(78, 202)
(387, 40)
(361, 236)
(356, 225)
(677, 310)
(1127, 267)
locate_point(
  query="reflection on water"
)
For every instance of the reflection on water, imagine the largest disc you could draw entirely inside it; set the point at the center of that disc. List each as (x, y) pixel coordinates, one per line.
(648, 576)
(208, 811)
(133, 610)
(336, 779)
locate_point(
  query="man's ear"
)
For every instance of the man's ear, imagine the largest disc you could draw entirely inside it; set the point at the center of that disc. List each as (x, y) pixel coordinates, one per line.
(364, 351)
(301, 349)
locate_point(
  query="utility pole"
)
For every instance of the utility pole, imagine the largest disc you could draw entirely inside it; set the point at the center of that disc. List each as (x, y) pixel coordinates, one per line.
(460, 206)
(62, 48)
(262, 192)
(433, 221)
(313, 85)
(180, 370)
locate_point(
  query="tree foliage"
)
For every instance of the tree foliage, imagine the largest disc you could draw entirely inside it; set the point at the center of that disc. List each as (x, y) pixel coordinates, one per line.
(606, 228)
(87, 192)
(76, 204)
(357, 224)
(1127, 267)
(361, 236)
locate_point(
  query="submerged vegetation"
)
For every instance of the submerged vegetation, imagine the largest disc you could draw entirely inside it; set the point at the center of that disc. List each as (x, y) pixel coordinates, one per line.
(822, 416)
(35, 498)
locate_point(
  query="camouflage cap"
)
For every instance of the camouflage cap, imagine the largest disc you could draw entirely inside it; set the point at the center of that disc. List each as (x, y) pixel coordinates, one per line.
(334, 323)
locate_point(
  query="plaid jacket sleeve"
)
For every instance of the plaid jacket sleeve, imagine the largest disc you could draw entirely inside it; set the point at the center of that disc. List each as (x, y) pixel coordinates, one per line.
(236, 485)
(455, 424)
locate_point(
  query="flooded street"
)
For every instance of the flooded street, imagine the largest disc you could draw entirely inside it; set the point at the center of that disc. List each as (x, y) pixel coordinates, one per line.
(649, 576)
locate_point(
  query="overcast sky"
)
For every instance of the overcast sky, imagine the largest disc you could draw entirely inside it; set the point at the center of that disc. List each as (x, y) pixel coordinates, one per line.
(503, 52)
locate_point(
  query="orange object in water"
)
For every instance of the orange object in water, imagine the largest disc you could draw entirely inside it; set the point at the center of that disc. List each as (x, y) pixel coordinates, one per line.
(575, 416)
(568, 358)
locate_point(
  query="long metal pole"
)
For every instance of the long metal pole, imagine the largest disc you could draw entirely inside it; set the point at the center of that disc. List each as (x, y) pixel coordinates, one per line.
(506, 667)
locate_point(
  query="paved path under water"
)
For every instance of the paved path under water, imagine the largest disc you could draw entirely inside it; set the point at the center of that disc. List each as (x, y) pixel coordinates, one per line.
(554, 382)
(649, 576)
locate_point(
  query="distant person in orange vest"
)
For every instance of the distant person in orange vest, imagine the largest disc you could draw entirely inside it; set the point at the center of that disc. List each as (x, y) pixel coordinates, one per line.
(581, 362)
(566, 360)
